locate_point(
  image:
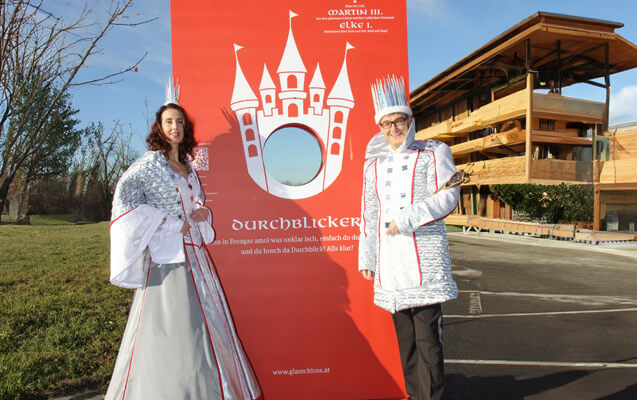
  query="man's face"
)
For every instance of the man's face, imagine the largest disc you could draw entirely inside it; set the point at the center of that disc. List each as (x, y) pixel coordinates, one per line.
(395, 127)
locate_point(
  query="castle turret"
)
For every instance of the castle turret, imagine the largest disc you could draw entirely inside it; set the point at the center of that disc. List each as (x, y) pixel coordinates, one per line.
(268, 92)
(244, 103)
(317, 91)
(340, 101)
(292, 76)
(341, 94)
(242, 94)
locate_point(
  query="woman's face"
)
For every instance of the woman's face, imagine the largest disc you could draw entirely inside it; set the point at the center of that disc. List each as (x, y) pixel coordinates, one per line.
(172, 125)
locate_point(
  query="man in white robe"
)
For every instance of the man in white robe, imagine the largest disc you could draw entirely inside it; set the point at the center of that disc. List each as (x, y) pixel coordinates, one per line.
(403, 242)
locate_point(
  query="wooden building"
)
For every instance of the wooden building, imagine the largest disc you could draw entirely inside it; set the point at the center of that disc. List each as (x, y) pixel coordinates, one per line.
(616, 191)
(502, 111)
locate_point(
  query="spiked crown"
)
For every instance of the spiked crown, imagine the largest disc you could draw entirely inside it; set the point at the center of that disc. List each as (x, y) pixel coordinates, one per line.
(390, 97)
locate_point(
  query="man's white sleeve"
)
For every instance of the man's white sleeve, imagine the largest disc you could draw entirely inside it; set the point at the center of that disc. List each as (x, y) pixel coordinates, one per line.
(438, 205)
(368, 240)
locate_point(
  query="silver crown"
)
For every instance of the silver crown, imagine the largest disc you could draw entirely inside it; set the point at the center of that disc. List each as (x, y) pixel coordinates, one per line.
(390, 97)
(172, 92)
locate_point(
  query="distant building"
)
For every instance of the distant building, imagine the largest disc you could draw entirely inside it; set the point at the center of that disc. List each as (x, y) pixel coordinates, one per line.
(502, 111)
(616, 191)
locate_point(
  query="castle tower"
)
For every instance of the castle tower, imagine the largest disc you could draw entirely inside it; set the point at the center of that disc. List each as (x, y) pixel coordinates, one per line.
(317, 91)
(292, 76)
(244, 104)
(268, 93)
(340, 101)
(323, 118)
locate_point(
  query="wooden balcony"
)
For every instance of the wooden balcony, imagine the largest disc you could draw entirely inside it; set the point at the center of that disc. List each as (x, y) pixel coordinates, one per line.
(514, 106)
(556, 106)
(513, 170)
(551, 171)
(517, 137)
(496, 171)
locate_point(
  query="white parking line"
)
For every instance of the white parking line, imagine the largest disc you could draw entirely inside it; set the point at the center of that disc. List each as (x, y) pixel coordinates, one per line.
(589, 300)
(544, 363)
(475, 305)
(536, 314)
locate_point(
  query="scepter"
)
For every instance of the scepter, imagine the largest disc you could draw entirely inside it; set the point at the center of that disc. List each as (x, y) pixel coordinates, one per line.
(458, 178)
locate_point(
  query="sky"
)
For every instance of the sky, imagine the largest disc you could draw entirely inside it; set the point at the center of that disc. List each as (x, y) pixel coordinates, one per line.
(440, 33)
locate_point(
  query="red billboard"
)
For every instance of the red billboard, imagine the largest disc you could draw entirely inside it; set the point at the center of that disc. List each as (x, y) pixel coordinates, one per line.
(279, 93)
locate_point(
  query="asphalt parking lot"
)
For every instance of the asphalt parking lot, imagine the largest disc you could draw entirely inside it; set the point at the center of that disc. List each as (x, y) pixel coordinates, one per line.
(537, 319)
(541, 319)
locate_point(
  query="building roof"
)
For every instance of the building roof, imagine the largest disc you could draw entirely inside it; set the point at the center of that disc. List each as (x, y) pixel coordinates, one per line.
(502, 61)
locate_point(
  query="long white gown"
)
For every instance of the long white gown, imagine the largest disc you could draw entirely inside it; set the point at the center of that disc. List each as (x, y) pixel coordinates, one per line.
(180, 341)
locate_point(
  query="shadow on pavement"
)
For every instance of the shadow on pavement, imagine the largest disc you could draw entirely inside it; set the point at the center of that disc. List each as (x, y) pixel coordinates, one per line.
(628, 393)
(459, 386)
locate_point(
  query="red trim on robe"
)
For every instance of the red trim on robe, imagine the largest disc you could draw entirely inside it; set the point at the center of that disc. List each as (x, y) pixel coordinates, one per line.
(363, 213)
(413, 234)
(199, 299)
(139, 319)
(132, 209)
(203, 314)
(433, 154)
(365, 187)
(379, 213)
(431, 222)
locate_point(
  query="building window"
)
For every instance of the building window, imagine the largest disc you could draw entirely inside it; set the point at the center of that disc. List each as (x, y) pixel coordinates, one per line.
(336, 133)
(338, 117)
(316, 98)
(547, 124)
(293, 110)
(247, 119)
(292, 83)
(268, 99)
(336, 149)
(252, 151)
(249, 135)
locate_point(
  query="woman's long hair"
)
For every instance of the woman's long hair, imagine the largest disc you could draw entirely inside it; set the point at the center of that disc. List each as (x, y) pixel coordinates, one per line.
(156, 140)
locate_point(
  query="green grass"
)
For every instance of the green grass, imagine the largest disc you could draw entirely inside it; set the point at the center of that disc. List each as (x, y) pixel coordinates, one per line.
(453, 228)
(60, 320)
(48, 219)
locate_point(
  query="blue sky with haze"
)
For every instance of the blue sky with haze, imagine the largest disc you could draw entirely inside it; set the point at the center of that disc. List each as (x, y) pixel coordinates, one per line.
(440, 32)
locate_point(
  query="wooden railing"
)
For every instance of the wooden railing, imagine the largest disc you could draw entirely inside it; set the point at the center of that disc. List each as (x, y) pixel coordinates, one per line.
(514, 106)
(496, 171)
(513, 170)
(556, 171)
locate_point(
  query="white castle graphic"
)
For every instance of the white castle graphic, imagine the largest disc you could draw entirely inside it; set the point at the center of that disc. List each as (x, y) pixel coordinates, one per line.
(326, 118)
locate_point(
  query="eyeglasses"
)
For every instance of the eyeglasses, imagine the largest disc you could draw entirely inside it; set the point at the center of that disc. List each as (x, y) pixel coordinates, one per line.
(398, 122)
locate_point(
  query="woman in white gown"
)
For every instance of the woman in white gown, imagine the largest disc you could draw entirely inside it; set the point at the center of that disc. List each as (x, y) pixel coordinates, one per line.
(180, 341)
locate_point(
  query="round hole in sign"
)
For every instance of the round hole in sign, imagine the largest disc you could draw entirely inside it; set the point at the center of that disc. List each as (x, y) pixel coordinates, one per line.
(293, 155)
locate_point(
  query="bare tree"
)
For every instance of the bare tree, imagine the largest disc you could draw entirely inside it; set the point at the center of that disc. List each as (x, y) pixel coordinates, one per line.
(41, 50)
(110, 155)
